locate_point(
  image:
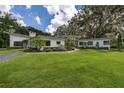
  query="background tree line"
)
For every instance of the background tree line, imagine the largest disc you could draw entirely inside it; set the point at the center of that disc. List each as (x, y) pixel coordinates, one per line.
(94, 21)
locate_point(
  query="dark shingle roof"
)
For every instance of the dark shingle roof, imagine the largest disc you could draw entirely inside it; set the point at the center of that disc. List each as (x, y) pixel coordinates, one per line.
(94, 39)
(43, 37)
(51, 37)
(20, 35)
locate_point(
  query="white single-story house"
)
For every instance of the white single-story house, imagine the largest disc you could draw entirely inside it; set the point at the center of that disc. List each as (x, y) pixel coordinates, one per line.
(19, 40)
(94, 42)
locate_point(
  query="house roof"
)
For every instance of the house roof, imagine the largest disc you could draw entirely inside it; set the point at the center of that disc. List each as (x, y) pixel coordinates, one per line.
(51, 37)
(56, 38)
(20, 35)
(43, 37)
(95, 39)
(71, 36)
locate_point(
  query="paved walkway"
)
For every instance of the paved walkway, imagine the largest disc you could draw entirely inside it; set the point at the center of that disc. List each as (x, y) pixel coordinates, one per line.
(4, 57)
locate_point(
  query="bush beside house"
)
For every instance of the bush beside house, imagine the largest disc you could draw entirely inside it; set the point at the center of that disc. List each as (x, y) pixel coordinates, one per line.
(38, 43)
(69, 44)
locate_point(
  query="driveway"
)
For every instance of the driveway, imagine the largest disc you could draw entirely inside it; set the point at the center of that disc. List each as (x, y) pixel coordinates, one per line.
(4, 57)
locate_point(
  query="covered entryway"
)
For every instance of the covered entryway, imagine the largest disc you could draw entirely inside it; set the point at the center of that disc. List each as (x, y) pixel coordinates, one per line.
(25, 43)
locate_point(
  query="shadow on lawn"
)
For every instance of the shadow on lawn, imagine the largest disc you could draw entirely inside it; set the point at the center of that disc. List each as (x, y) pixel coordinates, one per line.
(111, 50)
(102, 50)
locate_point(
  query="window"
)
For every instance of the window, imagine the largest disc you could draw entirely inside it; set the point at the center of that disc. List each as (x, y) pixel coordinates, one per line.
(58, 42)
(81, 43)
(17, 43)
(106, 42)
(47, 43)
(90, 43)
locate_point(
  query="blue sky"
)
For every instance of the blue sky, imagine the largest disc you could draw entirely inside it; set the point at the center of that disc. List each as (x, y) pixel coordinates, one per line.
(45, 18)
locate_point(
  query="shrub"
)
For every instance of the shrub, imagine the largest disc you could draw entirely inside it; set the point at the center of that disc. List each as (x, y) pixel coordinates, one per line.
(48, 49)
(59, 49)
(69, 44)
(31, 50)
(38, 43)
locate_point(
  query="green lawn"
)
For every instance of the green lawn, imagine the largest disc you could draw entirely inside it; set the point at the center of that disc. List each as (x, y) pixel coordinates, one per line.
(85, 68)
(9, 51)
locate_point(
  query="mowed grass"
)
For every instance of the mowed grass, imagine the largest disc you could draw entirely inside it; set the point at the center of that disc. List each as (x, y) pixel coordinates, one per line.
(81, 69)
(5, 51)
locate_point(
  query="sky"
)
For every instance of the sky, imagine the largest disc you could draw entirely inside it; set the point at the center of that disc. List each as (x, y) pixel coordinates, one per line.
(43, 17)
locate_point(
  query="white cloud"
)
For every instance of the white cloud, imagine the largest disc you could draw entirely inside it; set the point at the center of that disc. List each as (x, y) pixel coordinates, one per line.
(21, 22)
(17, 16)
(50, 29)
(7, 8)
(52, 9)
(37, 18)
(28, 6)
(61, 13)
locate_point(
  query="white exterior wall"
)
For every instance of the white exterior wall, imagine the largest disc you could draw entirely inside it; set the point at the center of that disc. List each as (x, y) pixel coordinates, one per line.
(101, 44)
(54, 44)
(14, 38)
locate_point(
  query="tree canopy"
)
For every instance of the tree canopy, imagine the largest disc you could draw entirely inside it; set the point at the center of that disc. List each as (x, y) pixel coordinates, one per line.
(94, 21)
(38, 43)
